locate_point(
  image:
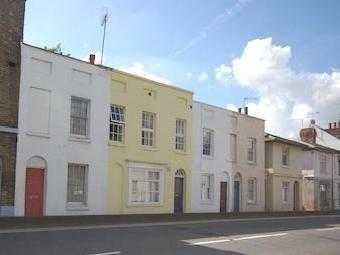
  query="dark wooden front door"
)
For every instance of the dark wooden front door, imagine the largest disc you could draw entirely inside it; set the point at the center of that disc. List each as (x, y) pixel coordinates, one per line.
(236, 196)
(34, 191)
(223, 197)
(178, 199)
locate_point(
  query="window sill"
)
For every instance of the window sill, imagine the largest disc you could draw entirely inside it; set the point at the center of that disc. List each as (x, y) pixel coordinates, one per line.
(285, 166)
(131, 204)
(181, 152)
(42, 135)
(117, 144)
(207, 202)
(252, 163)
(251, 203)
(79, 139)
(71, 207)
(148, 148)
(207, 157)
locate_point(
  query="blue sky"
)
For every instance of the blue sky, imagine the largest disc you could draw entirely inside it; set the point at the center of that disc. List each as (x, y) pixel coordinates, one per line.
(183, 41)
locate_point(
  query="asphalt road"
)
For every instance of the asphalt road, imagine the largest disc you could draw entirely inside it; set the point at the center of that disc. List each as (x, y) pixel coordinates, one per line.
(300, 235)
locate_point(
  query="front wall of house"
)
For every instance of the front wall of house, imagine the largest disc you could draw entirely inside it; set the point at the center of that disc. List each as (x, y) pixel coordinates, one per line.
(250, 127)
(48, 81)
(167, 103)
(219, 164)
(281, 173)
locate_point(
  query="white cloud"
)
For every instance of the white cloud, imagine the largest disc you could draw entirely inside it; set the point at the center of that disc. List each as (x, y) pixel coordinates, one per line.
(202, 77)
(223, 73)
(286, 96)
(188, 75)
(138, 68)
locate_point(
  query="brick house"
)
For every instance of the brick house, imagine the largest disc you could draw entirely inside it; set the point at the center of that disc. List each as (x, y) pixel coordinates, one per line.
(11, 34)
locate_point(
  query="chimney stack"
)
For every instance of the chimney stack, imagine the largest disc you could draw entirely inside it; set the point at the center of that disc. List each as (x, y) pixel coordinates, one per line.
(240, 110)
(329, 125)
(246, 110)
(334, 125)
(92, 58)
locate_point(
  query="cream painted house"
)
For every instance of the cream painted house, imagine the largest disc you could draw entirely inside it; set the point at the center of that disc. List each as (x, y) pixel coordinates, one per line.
(284, 180)
(248, 172)
(149, 147)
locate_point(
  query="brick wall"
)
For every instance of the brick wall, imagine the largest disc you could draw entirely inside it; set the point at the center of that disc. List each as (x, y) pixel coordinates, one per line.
(11, 33)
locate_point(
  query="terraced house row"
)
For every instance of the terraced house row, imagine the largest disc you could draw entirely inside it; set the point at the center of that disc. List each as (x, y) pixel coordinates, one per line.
(78, 138)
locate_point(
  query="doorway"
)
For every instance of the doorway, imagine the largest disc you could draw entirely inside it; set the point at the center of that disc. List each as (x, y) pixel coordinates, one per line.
(223, 197)
(296, 196)
(34, 192)
(237, 192)
(179, 192)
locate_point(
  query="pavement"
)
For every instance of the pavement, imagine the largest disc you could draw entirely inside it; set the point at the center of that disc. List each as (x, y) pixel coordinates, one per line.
(309, 235)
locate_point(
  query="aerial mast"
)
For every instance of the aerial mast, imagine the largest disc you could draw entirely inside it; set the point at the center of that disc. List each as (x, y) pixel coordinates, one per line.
(104, 23)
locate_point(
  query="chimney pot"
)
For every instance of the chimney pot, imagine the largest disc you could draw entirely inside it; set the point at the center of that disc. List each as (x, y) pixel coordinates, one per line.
(334, 125)
(329, 125)
(246, 110)
(92, 59)
(239, 110)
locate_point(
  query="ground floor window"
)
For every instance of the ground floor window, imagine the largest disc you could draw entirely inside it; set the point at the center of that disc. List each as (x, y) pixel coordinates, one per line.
(252, 190)
(207, 185)
(77, 184)
(145, 185)
(285, 191)
(339, 194)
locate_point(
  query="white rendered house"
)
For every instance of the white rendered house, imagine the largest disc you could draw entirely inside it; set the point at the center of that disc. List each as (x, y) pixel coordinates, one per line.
(212, 159)
(62, 152)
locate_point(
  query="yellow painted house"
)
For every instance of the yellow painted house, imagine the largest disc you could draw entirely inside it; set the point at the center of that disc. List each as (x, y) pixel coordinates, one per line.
(149, 147)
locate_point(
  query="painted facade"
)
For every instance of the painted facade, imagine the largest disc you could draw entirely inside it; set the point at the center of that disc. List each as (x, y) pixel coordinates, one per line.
(321, 170)
(149, 147)
(284, 180)
(248, 170)
(62, 151)
(212, 170)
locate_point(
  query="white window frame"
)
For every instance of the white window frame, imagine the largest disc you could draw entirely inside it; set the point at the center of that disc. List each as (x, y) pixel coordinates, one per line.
(251, 150)
(209, 132)
(233, 121)
(207, 187)
(146, 191)
(285, 191)
(338, 193)
(71, 202)
(339, 166)
(180, 137)
(285, 156)
(232, 148)
(323, 163)
(148, 134)
(252, 183)
(117, 120)
(87, 118)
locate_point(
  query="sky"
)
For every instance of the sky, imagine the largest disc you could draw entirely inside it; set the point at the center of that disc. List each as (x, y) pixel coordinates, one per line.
(283, 55)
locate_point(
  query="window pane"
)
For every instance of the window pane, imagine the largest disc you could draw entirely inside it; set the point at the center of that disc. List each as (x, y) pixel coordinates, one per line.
(148, 120)
(77, 183)
(79, 116)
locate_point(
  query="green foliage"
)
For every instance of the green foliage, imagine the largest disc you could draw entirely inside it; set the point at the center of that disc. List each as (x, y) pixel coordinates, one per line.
(57, 49)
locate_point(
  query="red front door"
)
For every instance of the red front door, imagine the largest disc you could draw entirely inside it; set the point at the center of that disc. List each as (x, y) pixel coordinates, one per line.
(34, 192)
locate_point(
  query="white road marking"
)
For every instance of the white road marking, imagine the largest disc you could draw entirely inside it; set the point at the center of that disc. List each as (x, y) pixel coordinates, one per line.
(107, 253)
(239, 239)
(327, 229)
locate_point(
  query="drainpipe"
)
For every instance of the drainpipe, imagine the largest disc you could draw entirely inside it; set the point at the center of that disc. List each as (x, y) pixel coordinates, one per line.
(333, 158)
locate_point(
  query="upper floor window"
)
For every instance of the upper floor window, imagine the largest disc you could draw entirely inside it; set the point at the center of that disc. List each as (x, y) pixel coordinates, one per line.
(1, 171)
(117, 123)
(80, 113)
(339, 167)
(148, 128)
(252, 190)
(233, 122)
(77, 184)
(207, 185)
(251, 150)
(285, 156)
(232, 147)
(208, 139)
(323, 162)
(285, 191)
(180, 134)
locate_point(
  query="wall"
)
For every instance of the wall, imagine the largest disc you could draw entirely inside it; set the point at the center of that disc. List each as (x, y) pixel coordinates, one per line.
(168, 103)
(280, 173)
(47, 83)
(11, 33)
(218, 120)
(249, 126)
